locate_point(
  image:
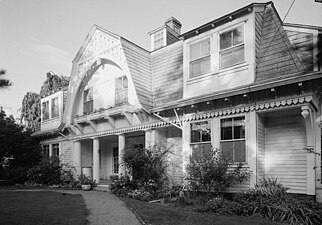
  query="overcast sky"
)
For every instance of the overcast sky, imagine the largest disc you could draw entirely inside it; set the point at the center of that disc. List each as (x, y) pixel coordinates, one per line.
(38, 36)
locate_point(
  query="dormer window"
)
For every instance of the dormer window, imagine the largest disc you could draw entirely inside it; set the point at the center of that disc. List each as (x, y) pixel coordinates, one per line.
(121, 90)
(45, 110)
(200, 58)
(54, 108)
(232, 47)
(88, 101)
(158, 40)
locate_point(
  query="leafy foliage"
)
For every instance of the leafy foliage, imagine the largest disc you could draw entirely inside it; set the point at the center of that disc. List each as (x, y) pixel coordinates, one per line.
(4, 82)
(52, 83)
(18, 150)
(31, 110)
(84, 179)
(213, 174)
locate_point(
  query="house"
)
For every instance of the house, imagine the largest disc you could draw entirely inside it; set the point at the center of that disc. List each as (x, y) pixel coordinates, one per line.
(246, 83)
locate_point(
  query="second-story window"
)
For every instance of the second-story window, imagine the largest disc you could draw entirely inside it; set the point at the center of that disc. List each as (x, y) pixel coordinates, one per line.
(158, 40)
(54, 107)
(45, 110)
(201, 139)
(232, 48)
(88, 101)
(121, 90)
(200, 57)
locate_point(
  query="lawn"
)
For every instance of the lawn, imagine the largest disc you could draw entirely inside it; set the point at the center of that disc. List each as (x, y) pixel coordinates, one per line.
(156, 214)
(41, 207)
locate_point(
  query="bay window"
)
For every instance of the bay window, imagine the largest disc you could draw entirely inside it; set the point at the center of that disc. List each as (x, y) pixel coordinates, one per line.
(233, 139)
(232, 47)
(200, 58)
(201, 139)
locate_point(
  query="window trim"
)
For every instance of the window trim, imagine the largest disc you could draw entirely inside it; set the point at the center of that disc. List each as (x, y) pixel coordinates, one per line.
(53, 149)
(231, 28)
(115, 162)
(231, 140)
(210, 55)
(89, 89)
(126, 90)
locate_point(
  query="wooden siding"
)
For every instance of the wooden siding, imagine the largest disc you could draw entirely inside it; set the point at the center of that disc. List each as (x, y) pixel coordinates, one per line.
(167, 74)
(258, 33)
(275, 56)
(171, 38)
(303, 45)
(260, 148)
(65, 154)
(285, 156)
(138, 61)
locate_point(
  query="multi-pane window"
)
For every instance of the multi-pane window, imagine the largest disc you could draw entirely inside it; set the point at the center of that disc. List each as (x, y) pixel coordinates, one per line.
(88, 101)
(121, 90)
(201, 139)
(45, 151)
(232, 48)
(200, 57)
(115, 160)
(233, 139)
(55, 149)
(45, 110)
(158, 40)
(54, 108)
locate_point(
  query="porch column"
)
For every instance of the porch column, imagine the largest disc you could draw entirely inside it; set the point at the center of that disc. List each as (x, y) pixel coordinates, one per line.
(77, 157)
(96, 160)
(148, 138)
(50, 150)
(186, 150)
(121, 153)
(251, 140)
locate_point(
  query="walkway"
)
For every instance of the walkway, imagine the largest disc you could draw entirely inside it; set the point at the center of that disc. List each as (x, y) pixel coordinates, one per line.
(105, 208)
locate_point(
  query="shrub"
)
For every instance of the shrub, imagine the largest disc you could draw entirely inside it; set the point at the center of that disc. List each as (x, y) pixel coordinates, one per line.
(270, 199)
(213, 174)
(122, 186)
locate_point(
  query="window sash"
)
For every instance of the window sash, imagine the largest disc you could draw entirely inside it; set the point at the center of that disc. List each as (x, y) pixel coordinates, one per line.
(121, 90)
(55, 149)
(88, 107)
(45, 110)
(54, 108)
(115, 160)
(234, 150)
(200, 132)
(200, 57)
(200, 149)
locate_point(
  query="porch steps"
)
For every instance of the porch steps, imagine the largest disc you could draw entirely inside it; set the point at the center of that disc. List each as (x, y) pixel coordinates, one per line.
(102, 187)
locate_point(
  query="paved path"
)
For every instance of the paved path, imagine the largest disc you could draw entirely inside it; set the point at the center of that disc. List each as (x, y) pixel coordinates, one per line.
(105, 208)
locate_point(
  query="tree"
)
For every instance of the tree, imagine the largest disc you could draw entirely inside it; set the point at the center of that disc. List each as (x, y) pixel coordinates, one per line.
(18, 150)
(4, 82)
(31, 108)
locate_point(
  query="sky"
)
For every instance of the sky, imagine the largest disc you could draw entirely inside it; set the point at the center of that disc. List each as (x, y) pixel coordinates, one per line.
(39, 36)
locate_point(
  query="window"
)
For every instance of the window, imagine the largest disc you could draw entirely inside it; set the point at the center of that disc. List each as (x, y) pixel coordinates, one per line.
(54, 107)
(233, 139)
(45, 152)
(115, 160)
(88, 101)
(200, 58)
(158, 40)
(56, 150)
(121, 93)
(232, 48)
(45, 110)
(201, 139)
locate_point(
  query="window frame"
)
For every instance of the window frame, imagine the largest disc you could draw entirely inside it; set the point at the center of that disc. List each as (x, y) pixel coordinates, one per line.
(122, 90)
(202, 143)
(220, 51)
(45, 110)
(234, 140)
(209, 55)
(45, 150)
(54, 108)
(56, 149)
(115, 164)
(158, 42)
(88, 101)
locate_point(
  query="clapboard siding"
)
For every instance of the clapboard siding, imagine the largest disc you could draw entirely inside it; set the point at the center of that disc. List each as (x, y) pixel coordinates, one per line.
(285, 156)
(65, 154)
(260, 147)
(167, 74)
(303, 44)
(138, 61)
(275, 55)
(258, 32)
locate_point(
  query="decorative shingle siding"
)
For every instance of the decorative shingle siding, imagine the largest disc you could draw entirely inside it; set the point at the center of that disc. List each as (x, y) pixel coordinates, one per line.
(303, 45)
(171, 38)
(167, 74)
(138, 61)
(275, 56)
(258, 32)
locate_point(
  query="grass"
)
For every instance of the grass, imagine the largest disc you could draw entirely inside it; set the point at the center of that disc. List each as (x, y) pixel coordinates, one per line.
(156, 214)
(41, 207)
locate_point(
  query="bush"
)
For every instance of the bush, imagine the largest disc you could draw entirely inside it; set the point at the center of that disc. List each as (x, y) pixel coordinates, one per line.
(84, 180)
(122, 186)
(270, 199)
(213, 174)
